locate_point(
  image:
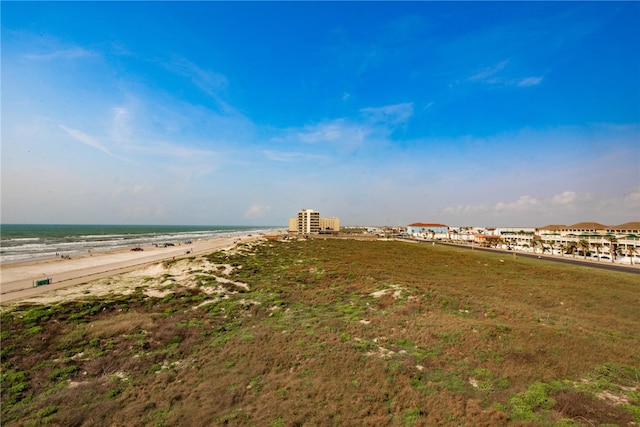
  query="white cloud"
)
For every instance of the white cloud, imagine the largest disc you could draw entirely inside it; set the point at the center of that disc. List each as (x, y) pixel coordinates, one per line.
(335, 131)
(565, 198)
(142, 188)
(209, 82)
(71, 53)
(529, 81)
(175, 150)
(633, 198)
(466, 210)
(257, 210)
(121, 120)
(499, 75)
(487, 74)
(566, 207)
(282, 156)
(339, 132)
(291, 156)
(391, 114)
(85, 139)
(523, 204)
(374, 124)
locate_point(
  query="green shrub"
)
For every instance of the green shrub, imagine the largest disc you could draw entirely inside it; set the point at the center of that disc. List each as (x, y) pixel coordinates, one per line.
(523, 406)
(13, 385)
(49, 410)
(63, 373)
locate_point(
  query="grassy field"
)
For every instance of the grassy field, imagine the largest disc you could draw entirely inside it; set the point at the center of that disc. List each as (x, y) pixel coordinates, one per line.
(335, 333)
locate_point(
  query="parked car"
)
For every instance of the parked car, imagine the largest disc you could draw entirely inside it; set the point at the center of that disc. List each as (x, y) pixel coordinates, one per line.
(137, 249)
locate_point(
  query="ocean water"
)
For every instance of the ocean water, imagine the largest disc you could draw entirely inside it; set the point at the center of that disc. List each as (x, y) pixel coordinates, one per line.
(24, 242)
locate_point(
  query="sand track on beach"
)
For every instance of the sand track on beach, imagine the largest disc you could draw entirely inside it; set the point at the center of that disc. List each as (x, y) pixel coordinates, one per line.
(16, 280)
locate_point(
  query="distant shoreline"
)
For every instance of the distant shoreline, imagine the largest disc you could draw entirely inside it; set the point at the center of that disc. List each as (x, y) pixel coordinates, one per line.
(39, 242)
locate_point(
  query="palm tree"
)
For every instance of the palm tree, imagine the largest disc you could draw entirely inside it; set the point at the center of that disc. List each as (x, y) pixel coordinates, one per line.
(598, 246)
(631, 250)
(561, 247)
(551, 244)
(612, 247)
(584, 245)
(571, 248)
(535, 243)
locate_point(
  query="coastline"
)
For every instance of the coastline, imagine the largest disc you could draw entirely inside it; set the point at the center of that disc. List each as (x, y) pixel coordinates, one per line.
(39, 242)
(17, 279)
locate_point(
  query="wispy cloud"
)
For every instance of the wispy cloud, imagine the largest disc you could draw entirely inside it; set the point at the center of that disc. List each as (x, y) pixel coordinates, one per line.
(291, 156)
(488, 75)
(372, 125)
(209, 82)
(85, 139)
(389, 114)
(257, 210)
(501, 74)
(72, 53)
(121, 124)
(173, 150)
(529, 81)
(339, 132)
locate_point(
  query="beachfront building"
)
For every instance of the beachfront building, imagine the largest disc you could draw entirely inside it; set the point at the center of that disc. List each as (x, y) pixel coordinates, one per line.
(619, 243)
(461, 234)
(486, 239)
(423, 230)
(329, 225)
(516, 238)
(588, 240)
(308, 221)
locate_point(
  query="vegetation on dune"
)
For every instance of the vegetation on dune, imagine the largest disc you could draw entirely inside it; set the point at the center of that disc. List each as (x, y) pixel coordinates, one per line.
(336, 332)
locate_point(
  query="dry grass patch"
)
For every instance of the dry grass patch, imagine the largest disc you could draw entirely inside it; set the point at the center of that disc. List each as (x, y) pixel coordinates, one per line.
(118, 324)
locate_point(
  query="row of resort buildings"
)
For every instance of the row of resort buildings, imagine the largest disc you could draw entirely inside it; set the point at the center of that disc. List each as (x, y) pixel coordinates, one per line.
(619, 243)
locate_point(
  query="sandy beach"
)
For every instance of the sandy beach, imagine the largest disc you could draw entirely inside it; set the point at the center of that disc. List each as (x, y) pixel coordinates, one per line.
(17, 280)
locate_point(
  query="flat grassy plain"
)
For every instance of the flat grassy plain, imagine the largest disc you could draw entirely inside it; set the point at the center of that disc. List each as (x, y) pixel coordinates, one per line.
(335, 333)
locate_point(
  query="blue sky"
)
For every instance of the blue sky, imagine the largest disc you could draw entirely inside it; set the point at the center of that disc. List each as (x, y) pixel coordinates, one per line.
(465, 113)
